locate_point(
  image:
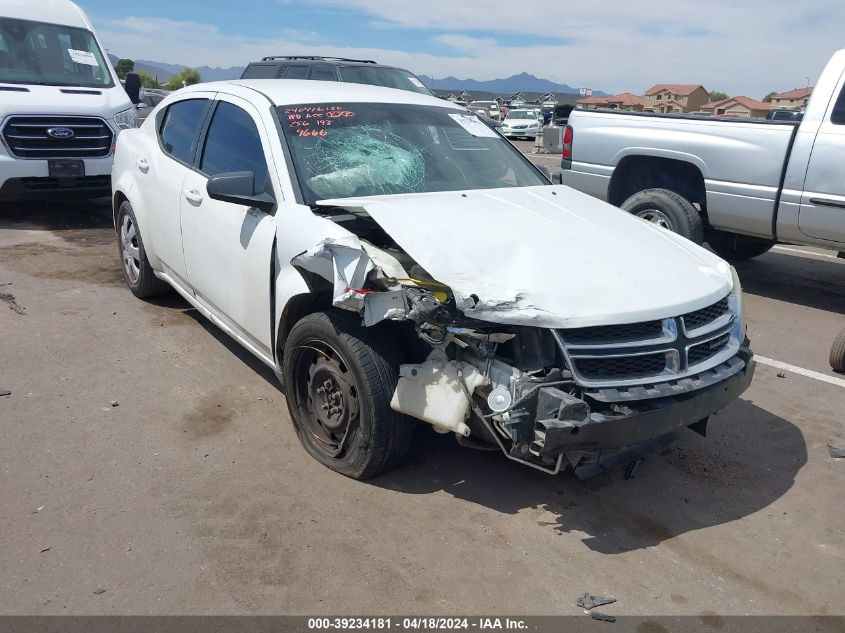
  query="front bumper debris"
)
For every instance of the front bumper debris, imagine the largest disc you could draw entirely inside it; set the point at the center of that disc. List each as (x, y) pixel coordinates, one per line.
(643, 422)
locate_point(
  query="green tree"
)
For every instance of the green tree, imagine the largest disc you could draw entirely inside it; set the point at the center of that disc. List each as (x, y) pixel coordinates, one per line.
(147, 80)
(187, 77)
(768, 97)
(124, 66)
(718, 95)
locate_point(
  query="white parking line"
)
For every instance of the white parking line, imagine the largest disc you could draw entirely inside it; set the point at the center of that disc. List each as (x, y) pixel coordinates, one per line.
(798, 251)
(839, 382)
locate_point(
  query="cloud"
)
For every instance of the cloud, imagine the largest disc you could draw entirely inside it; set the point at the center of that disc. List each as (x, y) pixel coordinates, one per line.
(742, 48)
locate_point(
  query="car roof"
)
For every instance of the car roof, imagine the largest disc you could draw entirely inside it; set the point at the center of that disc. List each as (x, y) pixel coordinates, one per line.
(62, 12)
(331, 61)
(294, 91)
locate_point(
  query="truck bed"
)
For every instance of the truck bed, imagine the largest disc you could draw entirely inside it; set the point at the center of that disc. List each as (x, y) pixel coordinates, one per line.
(742, 161)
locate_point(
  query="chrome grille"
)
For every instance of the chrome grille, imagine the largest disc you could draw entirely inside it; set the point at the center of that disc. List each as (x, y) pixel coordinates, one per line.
(622, 366)
(701, 352)
(28, 137)
(616, 333)
(651, 352)
(702, 317)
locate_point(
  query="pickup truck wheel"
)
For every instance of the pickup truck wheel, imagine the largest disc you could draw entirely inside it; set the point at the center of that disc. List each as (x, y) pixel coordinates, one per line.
(837, 353)
(340, 377)
(668, 210)
(737, 247)
(137, 272)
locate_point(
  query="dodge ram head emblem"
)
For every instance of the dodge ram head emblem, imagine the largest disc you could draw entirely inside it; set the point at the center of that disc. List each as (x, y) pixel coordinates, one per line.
(60, 132)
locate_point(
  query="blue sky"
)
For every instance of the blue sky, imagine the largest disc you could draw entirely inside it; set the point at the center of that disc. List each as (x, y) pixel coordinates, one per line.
(746, 48)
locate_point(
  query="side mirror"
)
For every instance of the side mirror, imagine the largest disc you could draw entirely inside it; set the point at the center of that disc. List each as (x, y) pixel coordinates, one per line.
(238, 187)
(545, 171)
(557, 178)
(133, 87)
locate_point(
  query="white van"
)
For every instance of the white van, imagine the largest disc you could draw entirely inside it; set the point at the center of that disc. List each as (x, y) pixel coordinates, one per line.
(61, 104)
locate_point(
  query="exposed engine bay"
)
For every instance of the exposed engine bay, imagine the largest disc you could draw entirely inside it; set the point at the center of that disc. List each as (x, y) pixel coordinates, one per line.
(519, 388)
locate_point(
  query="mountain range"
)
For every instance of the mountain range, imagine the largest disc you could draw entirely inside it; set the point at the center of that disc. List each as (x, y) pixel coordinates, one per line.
(523, 81)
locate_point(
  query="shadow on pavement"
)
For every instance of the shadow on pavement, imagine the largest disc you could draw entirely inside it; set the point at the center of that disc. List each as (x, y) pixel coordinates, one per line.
(749, 460)
(56, 215)
(815, 283)
(237, 350)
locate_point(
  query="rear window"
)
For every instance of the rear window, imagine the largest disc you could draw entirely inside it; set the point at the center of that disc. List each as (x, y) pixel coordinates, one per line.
(261, 71)
(180, 128)
(381, 76)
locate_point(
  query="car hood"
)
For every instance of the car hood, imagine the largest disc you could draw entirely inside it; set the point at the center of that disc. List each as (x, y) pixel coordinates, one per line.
(548, 256)
(102, 102)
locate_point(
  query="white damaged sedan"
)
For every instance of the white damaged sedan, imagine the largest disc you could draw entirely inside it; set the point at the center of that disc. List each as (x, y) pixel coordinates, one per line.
(394, 259)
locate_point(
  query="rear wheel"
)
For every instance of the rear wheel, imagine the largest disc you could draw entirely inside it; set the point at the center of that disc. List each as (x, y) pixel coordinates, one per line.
(668, 210)
(137, 272)
(737, 247)
(339, 378)
(837, 353)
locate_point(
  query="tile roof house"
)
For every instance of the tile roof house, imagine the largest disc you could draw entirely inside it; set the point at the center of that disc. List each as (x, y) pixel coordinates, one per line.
(623, 101)
(740, 106)
(675, 98)
(793, 99)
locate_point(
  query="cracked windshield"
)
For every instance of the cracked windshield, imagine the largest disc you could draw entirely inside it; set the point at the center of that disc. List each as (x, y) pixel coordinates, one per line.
(366, 149)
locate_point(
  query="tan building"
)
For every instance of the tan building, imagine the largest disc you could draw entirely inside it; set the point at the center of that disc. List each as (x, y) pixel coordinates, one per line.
(743, 107)
(668, 98)
(623, 101)
(792, 100)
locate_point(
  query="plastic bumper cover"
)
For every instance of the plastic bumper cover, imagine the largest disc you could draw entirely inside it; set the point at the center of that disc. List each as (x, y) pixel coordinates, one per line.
(648, 420)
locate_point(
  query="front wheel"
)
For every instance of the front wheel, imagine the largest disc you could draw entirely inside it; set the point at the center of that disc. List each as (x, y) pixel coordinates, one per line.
(339, 378)
(668, 210)
(735, 247)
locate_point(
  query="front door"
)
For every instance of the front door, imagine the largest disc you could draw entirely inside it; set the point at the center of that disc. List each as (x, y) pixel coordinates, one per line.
(228, 247)
(822, 213)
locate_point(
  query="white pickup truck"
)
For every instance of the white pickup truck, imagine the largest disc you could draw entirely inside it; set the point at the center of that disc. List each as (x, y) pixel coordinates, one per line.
(741, 185)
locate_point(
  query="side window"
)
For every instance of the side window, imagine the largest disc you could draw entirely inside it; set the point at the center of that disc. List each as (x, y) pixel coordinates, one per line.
(297, 72)
(323, 72)
(837, 117)
(233, 144)
(180, 128)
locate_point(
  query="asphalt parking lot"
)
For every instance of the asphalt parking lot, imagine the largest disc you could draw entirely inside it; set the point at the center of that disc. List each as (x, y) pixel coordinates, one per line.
(146, 454)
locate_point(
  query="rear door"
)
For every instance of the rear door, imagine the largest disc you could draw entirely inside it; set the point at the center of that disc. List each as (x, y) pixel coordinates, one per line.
(822, 213)
(164, 170)
(228, 246)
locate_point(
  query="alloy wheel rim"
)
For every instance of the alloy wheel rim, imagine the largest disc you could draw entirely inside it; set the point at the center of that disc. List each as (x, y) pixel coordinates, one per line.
(130, 249)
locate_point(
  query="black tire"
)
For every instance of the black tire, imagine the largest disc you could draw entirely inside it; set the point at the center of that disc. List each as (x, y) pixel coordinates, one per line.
(735, 247)
(668, 209)
(837, 353)
(364, 437)
(138, 274)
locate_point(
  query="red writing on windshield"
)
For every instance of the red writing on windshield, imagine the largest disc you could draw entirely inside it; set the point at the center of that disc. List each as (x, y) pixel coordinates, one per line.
(314, 120)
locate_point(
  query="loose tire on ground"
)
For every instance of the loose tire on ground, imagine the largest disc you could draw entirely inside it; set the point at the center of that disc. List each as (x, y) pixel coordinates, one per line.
(837, 353)
(339, 378)
(137, 272)
(669, 210)
(735, 247)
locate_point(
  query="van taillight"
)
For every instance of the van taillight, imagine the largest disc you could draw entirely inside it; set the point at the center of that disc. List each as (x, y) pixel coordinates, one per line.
(567, 143)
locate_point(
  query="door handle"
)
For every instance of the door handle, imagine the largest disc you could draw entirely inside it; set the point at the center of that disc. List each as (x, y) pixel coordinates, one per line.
(193, 196)
(143, 165)
(827, 202)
